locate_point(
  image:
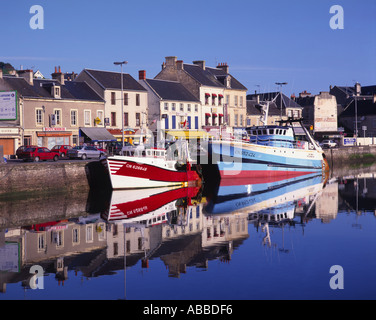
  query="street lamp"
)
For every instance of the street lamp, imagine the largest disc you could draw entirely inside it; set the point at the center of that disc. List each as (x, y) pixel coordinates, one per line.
(280, 84)
(122, 100)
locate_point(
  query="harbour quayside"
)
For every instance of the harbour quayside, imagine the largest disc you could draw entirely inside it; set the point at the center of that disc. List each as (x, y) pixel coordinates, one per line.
(153, 168)
(267, 153)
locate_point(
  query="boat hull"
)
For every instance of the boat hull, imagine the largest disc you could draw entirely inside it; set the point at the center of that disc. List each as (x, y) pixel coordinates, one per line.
(256, 163)
(132, 172)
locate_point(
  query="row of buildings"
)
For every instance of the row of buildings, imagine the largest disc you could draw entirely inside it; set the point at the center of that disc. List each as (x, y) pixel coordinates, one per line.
(72, 108)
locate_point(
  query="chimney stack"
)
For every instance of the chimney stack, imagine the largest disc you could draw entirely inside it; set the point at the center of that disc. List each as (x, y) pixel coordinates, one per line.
(28, 75)
(171, 62)
(58, 75)
(179, 65)
(200, 63)
(223, 66)
(358, 89)
(141, 75)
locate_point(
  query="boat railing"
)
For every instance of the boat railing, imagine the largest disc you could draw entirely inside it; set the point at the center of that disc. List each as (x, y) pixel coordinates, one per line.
(275, 142)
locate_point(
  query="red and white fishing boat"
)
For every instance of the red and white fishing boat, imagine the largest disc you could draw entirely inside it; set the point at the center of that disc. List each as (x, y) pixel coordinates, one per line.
(151, 169)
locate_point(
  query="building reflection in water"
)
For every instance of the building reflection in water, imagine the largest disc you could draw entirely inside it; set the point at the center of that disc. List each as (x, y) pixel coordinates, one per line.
(183, 227)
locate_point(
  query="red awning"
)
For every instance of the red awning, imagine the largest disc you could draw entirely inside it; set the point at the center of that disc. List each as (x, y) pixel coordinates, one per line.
(214, 115)
(207, 94)
(207, 114)
(220, 95)
(214, 95)
(221, 115)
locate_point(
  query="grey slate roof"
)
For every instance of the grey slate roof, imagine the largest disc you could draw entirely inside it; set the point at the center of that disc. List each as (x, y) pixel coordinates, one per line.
(365, 107)
(254, 109)
(276, 97)
(112, 80)
(41, 88)
(171, 90)
(213, 77)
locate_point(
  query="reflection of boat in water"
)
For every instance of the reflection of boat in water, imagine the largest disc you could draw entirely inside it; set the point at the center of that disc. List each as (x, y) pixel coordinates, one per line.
(147, 206)
(256, 197)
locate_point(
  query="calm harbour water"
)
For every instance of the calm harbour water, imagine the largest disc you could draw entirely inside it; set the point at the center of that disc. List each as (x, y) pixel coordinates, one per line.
(269, 241)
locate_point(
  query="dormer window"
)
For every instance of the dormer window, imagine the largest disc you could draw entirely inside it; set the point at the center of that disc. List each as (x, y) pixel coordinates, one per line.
(228, 82)
(56, 90)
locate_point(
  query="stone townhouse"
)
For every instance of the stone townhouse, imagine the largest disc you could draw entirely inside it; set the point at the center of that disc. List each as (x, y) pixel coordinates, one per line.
(222, 97)
(171, 103)
(108, 85)
(52, 111)
(319, 113)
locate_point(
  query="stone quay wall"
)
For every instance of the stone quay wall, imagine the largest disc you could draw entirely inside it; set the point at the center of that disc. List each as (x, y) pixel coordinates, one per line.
(61, 176)
(357, 155)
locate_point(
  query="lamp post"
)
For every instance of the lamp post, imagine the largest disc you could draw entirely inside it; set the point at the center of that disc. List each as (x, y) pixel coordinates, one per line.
(122, 100)
(280, 84)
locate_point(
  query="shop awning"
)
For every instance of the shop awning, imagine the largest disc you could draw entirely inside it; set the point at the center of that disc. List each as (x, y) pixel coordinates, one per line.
(97, 134)
(189, 134)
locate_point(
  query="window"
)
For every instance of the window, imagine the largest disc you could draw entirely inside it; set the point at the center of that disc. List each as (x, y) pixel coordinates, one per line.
(241, 101)
(87, 117)
(113, 98)
(57, 91)
(181, 107)
(138, 122)
(241, 120)
(236, 101)
(100, 116)
(75, 235)
(73, 117)
(57, 116)
(196, 107)
(189, 108)
(41, 242)
(236, 120)
(173, 107)
(113, 119)
(39, 116)
(166, 106)
(227, 99)
(137, 99)
(89, 233)
(126, 120)
(125, 99)
(207, 95)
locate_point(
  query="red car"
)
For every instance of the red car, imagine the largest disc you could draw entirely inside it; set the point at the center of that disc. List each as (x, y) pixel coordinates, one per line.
(38, 154)
(61, 149)
(21, 149)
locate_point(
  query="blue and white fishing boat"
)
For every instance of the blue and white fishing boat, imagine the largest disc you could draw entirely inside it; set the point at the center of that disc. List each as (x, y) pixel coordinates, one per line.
(268, 153)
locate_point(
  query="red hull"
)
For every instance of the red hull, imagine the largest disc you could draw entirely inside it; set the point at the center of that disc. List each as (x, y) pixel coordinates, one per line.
(256, 177)
(139, 207)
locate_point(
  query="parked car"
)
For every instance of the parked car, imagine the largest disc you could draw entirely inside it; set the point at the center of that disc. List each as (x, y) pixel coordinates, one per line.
(62, 149)
(38, 153)
(21, 149)
(328, 144)
(84, 152)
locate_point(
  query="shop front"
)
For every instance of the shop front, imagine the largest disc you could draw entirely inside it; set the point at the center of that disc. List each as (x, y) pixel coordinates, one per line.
(51, 137)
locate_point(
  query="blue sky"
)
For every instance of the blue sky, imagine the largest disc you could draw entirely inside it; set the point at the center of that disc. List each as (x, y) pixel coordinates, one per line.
(263, 42)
